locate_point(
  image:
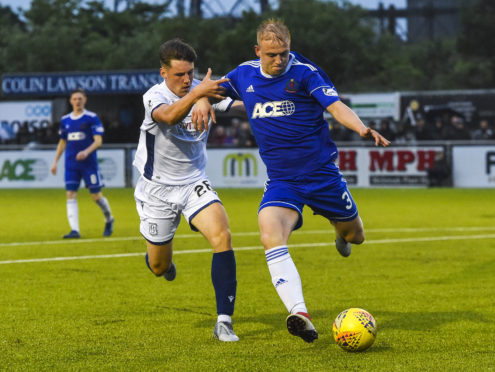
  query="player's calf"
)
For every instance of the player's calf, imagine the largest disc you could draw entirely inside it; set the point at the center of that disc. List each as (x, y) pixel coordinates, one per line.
(160, 268)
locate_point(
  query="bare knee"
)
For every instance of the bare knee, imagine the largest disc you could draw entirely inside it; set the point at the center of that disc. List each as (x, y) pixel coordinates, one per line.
(355, 237)
(222, 241)
(96, 196)
(158, 267)
(270, 240)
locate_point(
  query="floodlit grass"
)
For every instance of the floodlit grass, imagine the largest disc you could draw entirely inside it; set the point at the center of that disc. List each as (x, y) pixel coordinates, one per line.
(426, 273)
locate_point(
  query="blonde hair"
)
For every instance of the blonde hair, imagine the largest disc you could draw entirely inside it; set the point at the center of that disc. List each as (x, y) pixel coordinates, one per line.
(275, 30)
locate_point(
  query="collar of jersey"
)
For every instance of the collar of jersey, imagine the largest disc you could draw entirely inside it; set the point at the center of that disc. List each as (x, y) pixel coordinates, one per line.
(75, 117)
(291, 59)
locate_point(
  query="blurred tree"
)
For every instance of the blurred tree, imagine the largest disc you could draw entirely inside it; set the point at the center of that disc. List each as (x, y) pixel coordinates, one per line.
(70, 35)
(476, 44)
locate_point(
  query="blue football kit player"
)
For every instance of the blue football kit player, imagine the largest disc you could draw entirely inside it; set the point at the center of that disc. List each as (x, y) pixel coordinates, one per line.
(285, 96)
(81, 134)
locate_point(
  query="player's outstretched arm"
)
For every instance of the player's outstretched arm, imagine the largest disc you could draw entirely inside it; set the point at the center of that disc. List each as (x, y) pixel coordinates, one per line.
(58, 153)
(175, 113)
(211, 88)
(344, 115)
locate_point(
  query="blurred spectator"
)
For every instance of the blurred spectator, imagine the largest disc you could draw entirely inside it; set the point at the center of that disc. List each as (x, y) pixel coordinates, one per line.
(421, 132)
(439, 130)
(404, 133)
(218, 135)
(457, 129)
(386, 130)
(412, 114)
(439, 174)
(6, 133)
(339, 133)
(48, 135)
(484, 132)
(235, 127)
(230, 140)
(245, 136)
(23, 134)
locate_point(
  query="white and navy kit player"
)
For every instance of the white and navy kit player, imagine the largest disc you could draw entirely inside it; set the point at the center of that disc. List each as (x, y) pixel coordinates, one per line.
(172, 162)
(78, 132)
(293, 137)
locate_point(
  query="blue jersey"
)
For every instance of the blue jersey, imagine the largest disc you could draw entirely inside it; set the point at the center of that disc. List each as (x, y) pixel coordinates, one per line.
(78, 131)
(286, 115)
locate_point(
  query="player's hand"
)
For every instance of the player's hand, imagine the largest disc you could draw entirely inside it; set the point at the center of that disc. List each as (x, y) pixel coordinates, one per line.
(374, 135)
(201, 114)
(53, 169)
(81, 155)
(211, 88)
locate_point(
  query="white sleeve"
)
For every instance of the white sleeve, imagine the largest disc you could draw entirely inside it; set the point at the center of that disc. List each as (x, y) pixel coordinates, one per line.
(152, 100)
(224, 105)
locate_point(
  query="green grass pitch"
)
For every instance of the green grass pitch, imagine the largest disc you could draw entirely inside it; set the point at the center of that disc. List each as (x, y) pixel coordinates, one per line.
(426, 272)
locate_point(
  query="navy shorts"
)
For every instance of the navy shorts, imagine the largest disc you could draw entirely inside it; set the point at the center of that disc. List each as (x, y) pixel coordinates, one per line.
(90, 175)
(324, 191)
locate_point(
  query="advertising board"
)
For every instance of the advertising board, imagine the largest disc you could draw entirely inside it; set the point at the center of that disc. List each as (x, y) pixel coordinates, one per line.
(31, 169)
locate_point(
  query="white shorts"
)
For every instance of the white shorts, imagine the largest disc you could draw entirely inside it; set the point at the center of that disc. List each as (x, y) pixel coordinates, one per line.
(160, 206)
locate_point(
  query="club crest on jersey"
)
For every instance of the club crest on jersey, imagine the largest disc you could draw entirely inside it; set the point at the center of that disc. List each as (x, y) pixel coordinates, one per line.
(291, 86)
(273, 109)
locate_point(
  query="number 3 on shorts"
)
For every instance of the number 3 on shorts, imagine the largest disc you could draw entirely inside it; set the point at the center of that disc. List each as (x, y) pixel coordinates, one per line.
(347, 198)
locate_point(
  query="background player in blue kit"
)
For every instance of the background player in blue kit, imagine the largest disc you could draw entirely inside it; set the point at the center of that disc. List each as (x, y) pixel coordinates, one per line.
(285, 96)
(81, 134)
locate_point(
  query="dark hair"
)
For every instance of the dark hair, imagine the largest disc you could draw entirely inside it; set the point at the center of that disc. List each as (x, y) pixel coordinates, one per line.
(178, 50)
(78, 90)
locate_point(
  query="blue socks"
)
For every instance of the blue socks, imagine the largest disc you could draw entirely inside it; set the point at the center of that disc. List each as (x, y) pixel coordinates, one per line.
(223, 277)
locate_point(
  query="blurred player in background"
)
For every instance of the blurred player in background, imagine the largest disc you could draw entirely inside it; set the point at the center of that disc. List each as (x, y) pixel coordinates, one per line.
(171, 157)
(81, 134)
(285, 96)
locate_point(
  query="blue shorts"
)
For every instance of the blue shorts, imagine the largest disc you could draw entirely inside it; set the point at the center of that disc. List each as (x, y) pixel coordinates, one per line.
(90, 175)
(324, 191)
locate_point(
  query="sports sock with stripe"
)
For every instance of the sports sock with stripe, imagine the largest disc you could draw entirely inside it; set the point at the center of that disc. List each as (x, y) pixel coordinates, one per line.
(286, 279)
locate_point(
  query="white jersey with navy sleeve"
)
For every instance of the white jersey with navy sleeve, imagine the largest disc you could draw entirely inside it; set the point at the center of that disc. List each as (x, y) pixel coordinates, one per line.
(171, 154)
(286, 115)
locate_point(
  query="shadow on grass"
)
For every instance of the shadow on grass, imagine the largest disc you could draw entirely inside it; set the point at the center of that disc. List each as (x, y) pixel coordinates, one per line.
(420, 321)
(470, 272)
(187, 310)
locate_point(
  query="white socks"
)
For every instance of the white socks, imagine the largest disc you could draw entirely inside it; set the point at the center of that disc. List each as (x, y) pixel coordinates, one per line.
(286, 279)
(73, 214)
(224, 318)
(105, 208)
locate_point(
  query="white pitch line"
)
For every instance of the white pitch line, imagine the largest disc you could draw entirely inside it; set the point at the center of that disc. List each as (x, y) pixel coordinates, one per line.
(252, 233)
(207, 250)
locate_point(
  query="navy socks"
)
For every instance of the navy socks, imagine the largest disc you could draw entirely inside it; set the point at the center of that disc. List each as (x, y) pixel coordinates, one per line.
(223, 277)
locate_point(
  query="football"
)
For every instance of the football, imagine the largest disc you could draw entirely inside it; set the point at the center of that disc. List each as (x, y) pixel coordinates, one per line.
(354, 329)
